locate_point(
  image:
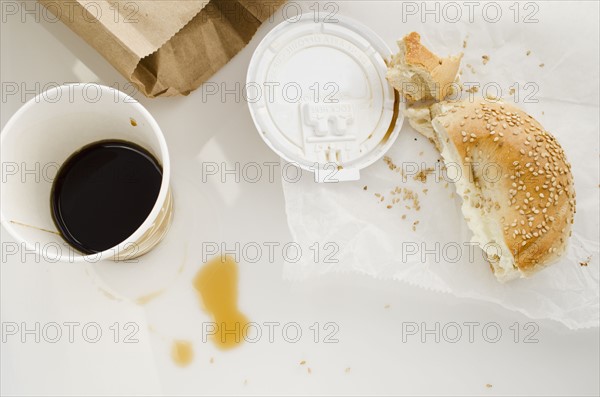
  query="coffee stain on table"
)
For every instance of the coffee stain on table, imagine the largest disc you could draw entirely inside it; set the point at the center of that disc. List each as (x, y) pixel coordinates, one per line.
(142, 300)
(108, 294)
(182, 353)
(35, 227)
(184, 261)
(217, 286)
(145, 299)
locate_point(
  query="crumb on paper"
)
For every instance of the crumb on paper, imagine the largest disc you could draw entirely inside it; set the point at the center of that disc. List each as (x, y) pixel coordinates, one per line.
(404, 216)
(408, 195)
(390, 163)
(414, 226)
(586, 262)
(511, 91)
(528, 52)
(133, 122)
(392, 166)
(425, 191)
(302, 362)
(542, 65)
(485, 59)
(365, 187)
(464, 43)
(472, 90)
(421, 176)
(386, 307)
(309, 370)
(347, 370)
(488, 385)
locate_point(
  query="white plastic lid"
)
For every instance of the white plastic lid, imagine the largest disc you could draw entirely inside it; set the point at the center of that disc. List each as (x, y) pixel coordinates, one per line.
(318, 95)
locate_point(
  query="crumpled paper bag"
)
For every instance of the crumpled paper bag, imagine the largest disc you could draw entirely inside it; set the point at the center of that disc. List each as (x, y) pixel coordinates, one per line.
(165, 47)
(375, 224)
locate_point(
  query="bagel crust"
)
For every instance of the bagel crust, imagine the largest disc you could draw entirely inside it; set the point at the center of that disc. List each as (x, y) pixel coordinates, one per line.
(520, 183)
(419, 74)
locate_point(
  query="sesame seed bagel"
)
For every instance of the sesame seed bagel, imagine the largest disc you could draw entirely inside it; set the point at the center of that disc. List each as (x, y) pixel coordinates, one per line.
(515, 182)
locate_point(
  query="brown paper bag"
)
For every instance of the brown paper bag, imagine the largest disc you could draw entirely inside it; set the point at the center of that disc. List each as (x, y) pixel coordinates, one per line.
(165, 47)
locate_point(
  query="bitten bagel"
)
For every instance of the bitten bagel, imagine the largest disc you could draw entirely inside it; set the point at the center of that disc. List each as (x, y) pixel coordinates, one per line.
(515, 181)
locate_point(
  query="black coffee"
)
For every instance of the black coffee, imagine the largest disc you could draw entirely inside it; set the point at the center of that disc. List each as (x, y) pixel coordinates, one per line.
(103, 193)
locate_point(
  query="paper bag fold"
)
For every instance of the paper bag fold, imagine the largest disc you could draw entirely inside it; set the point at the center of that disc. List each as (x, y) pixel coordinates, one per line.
(165, 47)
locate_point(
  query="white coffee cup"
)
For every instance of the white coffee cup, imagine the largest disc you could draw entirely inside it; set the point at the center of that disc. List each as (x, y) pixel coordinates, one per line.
(42, 134)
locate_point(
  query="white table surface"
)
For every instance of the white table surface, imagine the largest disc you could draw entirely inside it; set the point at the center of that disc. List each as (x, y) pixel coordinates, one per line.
(370, 342)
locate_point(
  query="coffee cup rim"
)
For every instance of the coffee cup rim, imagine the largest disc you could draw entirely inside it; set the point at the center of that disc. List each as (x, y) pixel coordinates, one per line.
(158, 205)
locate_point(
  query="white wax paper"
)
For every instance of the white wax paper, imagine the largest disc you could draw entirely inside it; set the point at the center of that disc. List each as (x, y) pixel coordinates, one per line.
(558, 57)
